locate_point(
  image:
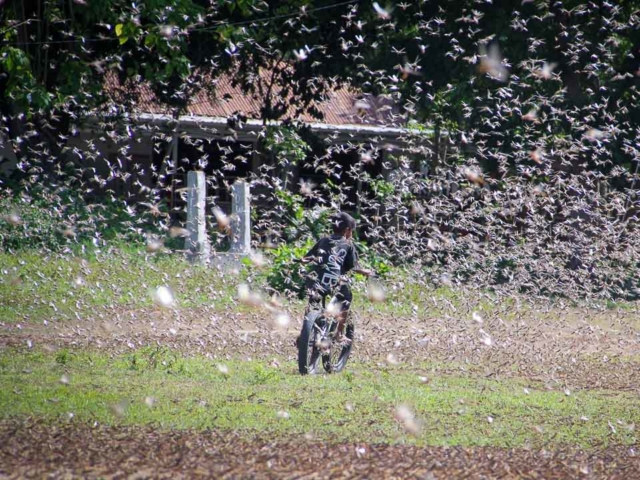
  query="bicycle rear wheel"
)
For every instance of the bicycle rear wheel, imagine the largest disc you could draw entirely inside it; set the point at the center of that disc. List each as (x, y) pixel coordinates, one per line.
(336, 359)
(308, 352)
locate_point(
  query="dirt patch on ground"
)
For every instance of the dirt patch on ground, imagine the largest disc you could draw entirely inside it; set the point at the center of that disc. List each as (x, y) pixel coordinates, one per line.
(560, 349)
(30, 450)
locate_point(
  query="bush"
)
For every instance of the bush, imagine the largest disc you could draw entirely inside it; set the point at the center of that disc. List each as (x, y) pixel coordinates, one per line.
(28, 224)
(54, 222)
(286, 144)
(378, 262)
(301, 222)
(286, 275)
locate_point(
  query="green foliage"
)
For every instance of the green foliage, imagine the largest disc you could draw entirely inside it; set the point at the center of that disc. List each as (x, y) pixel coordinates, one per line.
(31, 224)
(127, 31)
(382, 189)
(263, 375)
(286, 145)
(63, 357)
(52, 222)
(20, 83)
(294, 211)
(380, 265)
(379, 262)
(286, 274)
(56, 85)
(302, 222)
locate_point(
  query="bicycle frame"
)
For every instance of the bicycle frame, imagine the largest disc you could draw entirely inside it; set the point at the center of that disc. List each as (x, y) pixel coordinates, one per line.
(326, 328)
(317, 340)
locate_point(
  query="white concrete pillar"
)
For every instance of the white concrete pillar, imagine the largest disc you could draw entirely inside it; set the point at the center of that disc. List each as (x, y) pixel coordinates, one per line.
(240, 218)
(197, 243)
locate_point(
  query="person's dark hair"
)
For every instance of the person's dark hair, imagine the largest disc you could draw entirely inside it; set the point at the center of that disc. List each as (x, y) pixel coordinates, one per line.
(341, 221)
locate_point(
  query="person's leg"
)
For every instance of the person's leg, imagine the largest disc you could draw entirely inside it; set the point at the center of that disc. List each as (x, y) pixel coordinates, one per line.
(345, 297)
(315, 299)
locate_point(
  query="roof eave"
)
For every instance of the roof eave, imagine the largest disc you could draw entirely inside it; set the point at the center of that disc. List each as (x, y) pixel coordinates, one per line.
(207, 127)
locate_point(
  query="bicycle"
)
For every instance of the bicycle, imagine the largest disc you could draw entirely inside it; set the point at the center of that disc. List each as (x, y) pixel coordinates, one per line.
(318, 341)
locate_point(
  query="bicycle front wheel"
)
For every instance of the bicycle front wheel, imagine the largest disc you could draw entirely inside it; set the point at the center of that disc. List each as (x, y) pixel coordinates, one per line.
(336, 359)
(308, 352)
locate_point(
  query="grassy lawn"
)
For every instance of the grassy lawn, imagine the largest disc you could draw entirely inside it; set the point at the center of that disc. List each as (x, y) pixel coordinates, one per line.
(36, 287)
(161, 387)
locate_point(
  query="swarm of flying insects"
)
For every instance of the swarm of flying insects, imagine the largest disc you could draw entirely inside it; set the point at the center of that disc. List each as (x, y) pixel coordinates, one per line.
(532, 189)
(469, 160)
(493, 155)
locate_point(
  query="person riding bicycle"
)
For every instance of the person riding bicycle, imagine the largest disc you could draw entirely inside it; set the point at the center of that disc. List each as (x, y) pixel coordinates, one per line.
(330, 259)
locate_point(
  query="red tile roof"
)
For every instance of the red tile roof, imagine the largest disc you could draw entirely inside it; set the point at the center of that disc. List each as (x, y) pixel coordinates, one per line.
(340, 108)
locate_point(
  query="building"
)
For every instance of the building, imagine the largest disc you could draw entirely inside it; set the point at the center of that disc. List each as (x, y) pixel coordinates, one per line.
(221, 136)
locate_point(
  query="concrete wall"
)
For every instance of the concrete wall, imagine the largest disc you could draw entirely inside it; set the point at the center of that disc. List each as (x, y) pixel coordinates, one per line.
(121, 166)
(8, 161)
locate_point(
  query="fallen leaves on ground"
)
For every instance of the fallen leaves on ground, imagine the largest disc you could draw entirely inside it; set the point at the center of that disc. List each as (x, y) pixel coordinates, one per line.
(29, 450)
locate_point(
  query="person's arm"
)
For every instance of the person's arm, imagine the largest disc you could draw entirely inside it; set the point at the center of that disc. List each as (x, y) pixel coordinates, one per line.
(364, 271)
(353, 263)
(311, 255)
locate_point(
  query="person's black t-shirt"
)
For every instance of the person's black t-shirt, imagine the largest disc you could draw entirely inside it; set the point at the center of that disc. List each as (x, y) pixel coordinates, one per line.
(331, 257)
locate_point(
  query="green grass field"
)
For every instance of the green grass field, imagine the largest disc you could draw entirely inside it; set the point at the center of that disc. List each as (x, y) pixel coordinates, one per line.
(160, 387)
(36, 287)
